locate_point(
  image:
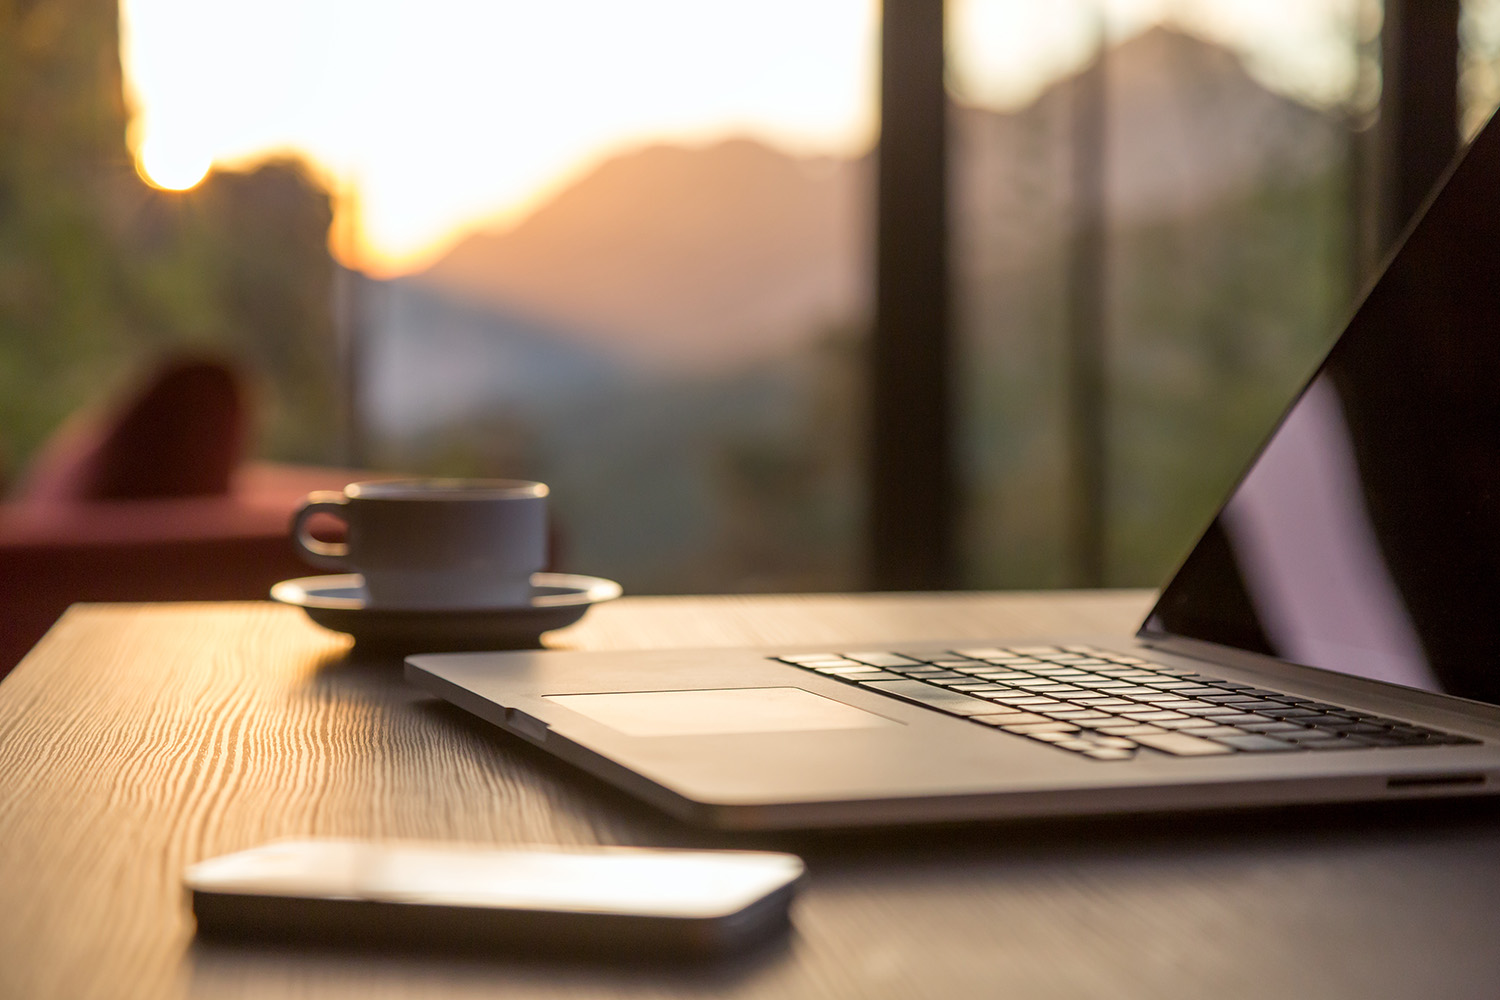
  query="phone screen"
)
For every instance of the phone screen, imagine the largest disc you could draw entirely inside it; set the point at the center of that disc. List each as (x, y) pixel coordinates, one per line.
(627, 881)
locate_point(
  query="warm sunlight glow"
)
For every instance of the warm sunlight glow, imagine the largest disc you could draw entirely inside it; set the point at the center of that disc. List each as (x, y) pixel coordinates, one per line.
(440, 116)
(170, 166)
(445, 113)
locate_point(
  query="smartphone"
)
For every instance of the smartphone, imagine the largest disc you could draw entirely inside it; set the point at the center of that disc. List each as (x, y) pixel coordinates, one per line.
(571, 901)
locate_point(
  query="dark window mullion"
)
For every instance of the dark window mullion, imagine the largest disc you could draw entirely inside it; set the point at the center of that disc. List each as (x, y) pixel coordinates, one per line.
(1418, 131)
(913, 490)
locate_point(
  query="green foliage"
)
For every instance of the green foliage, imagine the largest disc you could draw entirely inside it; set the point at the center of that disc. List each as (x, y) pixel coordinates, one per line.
(1214, 319)
(786, 495)
(101, 275)
(1222, 318)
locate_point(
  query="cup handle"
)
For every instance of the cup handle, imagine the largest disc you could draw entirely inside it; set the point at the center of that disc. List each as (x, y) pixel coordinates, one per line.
(332, 555)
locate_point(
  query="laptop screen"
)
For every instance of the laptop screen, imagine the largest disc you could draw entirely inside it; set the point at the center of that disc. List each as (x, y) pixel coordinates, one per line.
(1365, 537)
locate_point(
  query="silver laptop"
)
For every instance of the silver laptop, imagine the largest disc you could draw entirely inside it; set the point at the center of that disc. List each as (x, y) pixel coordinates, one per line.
(1333, 636)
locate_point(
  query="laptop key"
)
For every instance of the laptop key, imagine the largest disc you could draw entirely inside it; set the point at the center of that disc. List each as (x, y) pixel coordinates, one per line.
(1269, 707)
(1181, 744)
(952, 702)
(884, 659)
(1218, 731)
(868, 674)
(832, 662)
(1002, 687)
(1367, 728)
(1009, 719)
(1239, 719)
(1256, 743)
(1026, 729)
(1009, 710)
(1275, 728)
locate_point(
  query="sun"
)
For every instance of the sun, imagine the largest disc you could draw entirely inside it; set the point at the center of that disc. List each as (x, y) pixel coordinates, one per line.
(171, 166)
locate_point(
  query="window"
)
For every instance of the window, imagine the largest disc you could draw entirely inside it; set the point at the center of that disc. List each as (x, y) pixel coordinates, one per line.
(623, 249)
(632, 251)
(1152, 222)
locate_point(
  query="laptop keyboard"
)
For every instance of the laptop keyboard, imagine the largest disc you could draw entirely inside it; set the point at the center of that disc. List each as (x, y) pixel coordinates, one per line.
(1106, 705)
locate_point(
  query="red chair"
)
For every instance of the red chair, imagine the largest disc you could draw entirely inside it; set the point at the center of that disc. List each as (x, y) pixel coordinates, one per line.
(149, 499)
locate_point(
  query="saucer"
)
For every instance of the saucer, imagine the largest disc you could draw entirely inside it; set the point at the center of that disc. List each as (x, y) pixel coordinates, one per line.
(338, 603)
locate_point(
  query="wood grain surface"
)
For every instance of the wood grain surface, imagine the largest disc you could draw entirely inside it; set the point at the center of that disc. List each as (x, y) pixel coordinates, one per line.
(137, 739)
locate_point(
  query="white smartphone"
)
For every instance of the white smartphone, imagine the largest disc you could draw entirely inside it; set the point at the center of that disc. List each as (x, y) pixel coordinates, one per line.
(605, 899)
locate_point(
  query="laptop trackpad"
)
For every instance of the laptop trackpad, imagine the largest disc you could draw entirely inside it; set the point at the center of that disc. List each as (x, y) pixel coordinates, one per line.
(717, 712)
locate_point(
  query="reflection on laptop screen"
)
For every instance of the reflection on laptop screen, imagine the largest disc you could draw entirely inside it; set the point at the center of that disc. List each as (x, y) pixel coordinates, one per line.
(1365, 538)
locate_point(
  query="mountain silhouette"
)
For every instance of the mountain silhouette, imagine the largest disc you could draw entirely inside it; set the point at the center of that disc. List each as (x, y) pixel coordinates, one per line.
(1186, 127)
(687, 256)
(703, 258)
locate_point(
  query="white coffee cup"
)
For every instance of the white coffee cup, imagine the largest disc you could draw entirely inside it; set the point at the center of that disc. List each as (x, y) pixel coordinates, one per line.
(434, 543)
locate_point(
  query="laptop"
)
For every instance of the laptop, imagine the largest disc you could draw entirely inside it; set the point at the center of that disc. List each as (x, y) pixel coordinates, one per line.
(1333, 636)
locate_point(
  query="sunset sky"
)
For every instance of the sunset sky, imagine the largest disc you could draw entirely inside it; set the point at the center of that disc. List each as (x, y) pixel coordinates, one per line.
(431, 118)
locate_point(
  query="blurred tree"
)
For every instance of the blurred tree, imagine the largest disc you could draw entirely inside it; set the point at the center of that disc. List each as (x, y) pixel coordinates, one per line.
(100, 274)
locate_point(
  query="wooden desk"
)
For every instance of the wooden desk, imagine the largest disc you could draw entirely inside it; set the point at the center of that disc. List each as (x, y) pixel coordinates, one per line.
(137, 739)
